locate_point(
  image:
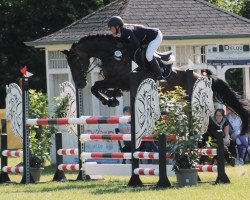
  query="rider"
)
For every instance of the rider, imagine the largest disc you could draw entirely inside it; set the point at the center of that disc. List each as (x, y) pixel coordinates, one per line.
(134, 36)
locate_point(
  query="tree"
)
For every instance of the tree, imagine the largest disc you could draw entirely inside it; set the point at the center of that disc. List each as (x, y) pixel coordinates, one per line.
(245, 11)
(28, 20)
(234, 6)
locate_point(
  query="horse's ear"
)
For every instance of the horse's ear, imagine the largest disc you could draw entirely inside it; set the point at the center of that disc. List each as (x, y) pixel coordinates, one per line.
(65, 52)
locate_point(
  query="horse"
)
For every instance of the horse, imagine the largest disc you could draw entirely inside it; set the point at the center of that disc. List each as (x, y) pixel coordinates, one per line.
(116, 73)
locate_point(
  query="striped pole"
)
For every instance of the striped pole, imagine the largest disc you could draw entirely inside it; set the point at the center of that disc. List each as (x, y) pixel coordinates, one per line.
(9, 169)
(207, 152)
(10, 153)
(121, 155)
(121, 137)
(64, 152)
(146, 171)
(81, 120)
(116, 155)
(115, 137)
(149, 155)
(207, 168)
(68, 167)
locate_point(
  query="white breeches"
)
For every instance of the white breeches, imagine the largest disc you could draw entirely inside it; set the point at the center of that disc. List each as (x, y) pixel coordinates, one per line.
(153, 46)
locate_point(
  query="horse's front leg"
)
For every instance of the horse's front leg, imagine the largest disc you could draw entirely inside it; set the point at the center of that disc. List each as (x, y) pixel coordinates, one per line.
(102, 86)
(113, 93)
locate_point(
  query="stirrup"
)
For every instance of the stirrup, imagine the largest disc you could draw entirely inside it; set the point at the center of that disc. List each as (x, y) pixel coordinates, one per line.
(161, 79)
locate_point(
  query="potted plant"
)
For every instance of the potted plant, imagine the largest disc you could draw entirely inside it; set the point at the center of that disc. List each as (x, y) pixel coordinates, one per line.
(177, 119)
(40, 136)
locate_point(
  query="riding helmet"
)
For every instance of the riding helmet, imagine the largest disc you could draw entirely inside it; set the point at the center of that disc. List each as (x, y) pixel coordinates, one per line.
(115, 21)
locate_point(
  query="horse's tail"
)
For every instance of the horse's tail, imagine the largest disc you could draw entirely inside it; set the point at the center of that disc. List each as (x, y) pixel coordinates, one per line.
(224, 93)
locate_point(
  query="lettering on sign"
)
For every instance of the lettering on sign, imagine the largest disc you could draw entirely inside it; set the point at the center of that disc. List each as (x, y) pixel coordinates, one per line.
(230, 54)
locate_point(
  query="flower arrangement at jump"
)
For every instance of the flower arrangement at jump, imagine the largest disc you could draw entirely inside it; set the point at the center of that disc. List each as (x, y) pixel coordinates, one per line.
(177, 119)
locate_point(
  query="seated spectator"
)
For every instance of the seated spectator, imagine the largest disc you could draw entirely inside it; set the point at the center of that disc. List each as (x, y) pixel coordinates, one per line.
(235, 125)
(218, 122)
(148, 146)
(126, 129)
(242, 145)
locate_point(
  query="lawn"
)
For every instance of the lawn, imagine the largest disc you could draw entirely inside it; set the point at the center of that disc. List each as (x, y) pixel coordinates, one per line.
(111, 188)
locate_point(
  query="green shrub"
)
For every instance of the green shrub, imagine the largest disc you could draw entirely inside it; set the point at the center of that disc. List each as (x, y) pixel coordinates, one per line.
(177, 119)
(40, 136)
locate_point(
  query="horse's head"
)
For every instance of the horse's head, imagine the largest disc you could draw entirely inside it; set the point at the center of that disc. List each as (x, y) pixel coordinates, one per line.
(78, 66)
(99, 46)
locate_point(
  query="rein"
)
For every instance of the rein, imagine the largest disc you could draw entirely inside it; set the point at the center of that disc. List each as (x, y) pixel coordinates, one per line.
(91, 69)
(96, 65)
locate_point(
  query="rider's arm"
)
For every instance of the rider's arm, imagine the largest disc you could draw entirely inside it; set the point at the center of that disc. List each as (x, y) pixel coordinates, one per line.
(227, 136)
(130, 40)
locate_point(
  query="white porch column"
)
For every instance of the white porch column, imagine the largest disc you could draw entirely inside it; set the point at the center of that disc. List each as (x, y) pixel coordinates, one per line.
(197, 57)
(219, 73)
(95, 101)
(173, 48)
(246, 83)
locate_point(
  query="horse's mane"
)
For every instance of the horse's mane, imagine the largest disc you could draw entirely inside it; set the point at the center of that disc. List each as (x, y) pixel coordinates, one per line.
(92, 37)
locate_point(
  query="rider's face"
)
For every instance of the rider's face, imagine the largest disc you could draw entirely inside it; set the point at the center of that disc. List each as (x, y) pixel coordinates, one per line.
(112, 29)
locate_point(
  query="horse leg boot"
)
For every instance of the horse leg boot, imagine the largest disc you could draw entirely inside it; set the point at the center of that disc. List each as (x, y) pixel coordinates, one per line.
(156, 68)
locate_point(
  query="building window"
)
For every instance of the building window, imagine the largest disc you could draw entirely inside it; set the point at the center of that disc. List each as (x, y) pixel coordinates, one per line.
(203, 54)
(196, 54)
(57, 60)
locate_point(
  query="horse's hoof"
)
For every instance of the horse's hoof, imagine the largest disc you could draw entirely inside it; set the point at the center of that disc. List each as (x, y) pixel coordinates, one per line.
(113, 103)
(105, 103)
(118, 93)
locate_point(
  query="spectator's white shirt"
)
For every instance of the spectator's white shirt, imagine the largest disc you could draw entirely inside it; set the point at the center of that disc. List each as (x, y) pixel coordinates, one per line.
(236, 124)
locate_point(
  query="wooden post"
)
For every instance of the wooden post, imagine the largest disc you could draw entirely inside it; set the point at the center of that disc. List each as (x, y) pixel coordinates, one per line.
(135, 179)
(26, 140)
(163, 179)
(222, 176)
(59, 174)
(79, 109)
(4, 177)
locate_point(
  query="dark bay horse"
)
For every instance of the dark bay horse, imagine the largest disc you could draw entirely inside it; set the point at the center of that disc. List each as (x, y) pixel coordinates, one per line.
(116, 74)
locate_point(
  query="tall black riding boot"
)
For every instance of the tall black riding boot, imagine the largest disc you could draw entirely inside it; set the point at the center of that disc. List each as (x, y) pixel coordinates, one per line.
(156, 68)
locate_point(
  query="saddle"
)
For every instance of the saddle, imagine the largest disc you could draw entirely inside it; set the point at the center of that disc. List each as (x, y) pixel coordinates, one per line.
(164, 60)
(164, 56)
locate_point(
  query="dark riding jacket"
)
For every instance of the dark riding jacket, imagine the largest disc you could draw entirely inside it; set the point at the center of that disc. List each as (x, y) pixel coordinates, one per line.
(133, 37)
(212, 129)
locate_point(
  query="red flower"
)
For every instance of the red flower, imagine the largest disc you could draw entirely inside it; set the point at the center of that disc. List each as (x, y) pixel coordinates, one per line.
(164, 117)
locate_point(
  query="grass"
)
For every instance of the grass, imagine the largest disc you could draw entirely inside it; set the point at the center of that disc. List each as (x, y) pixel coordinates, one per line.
(113, 188)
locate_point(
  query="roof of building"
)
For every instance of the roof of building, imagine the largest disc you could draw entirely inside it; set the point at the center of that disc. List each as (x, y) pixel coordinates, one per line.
(177, 19)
